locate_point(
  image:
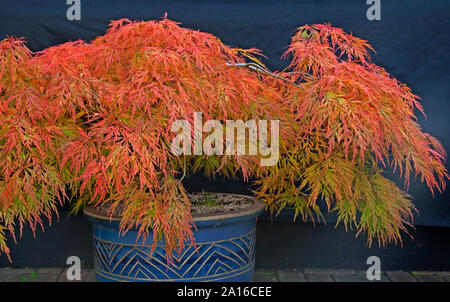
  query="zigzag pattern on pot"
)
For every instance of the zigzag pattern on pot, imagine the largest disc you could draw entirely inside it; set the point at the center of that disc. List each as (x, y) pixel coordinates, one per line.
(211, 259)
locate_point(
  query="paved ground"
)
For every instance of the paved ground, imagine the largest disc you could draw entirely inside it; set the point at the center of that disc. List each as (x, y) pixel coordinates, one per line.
(334, 275)
(305, 275)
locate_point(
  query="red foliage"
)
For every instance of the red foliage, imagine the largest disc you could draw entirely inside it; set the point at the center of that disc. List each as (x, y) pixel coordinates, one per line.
(113, 102)
(351, 116)
(96, 118)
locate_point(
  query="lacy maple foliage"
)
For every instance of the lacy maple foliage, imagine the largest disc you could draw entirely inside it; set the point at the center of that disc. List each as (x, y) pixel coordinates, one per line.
(351, 118)
(30, 183)
(94, 120)
(97, 118)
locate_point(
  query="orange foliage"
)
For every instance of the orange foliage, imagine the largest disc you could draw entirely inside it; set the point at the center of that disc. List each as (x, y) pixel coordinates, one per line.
(113, 101)
(95, 118)
(351, 116)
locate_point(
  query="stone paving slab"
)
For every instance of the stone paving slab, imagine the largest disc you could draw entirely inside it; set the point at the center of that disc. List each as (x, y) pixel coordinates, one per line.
(318, 277)
(87, 275)
(429, 276)
(349, 275)
(328, 271)
(10, 270)
(265, 276)
(91, 277)
(400, 276)
(42, 278)
(50, 270)
(359, 276)
(14, 277)
(291, 276)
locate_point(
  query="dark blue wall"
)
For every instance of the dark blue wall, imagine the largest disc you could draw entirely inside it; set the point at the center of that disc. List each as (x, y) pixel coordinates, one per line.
(411, 41)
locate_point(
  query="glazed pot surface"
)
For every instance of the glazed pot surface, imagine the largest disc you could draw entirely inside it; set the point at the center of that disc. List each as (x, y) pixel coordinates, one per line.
(225, 249)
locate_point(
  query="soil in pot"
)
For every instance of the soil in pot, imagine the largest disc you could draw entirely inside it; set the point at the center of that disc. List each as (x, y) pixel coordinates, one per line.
(203, 204)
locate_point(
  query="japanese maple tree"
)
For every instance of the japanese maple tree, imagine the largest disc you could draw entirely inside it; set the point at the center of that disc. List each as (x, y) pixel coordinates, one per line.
(94, 120)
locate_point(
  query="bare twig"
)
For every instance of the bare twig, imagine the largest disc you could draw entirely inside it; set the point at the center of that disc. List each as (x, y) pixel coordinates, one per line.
(260, 69)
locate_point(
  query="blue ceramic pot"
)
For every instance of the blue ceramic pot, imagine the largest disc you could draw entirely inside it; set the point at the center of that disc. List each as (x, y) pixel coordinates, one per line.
(225, 250)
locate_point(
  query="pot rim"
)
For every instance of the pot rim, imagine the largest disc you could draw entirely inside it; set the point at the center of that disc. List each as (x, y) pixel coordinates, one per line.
(258, 206)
